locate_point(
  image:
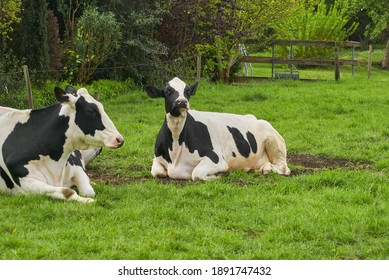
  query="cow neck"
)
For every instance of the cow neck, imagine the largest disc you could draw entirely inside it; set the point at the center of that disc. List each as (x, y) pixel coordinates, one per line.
(176, 124)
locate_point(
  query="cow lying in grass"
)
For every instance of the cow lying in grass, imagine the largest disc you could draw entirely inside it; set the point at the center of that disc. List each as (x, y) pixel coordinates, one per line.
(37, 145)
(199, 145)
(75, 174)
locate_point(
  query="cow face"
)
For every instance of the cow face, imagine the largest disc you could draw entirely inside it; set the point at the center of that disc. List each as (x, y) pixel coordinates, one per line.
(92, 125)
(176, 94)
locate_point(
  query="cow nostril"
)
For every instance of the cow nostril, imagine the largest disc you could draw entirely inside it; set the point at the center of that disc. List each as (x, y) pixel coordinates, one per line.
(120, 140)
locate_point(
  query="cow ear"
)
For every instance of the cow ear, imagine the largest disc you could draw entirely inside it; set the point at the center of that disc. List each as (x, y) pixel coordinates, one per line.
(60, 95)
(154, 92)
(193, 88)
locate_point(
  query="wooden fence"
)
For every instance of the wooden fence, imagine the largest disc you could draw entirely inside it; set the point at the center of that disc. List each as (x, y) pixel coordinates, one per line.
(336, 62)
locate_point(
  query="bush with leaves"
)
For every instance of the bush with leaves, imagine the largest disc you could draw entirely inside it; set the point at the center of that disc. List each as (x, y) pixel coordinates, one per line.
(317, 23)
(97, 38)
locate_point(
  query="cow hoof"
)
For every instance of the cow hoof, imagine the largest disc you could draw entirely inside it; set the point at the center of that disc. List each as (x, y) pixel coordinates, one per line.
(86, 200)
(265, 172)
(89, 193)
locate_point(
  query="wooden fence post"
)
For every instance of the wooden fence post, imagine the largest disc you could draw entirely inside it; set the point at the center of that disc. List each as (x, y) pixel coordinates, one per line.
(369, 61)
(28, 86)
(337, 69)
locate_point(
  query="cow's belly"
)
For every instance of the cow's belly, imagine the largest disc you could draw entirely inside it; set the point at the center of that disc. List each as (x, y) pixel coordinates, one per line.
(241, 163)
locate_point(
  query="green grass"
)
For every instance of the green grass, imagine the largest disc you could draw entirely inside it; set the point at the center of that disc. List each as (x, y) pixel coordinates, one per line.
(324, 214)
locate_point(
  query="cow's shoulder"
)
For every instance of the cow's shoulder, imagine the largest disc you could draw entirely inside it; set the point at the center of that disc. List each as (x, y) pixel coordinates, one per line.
(196, 137)
(164, 142)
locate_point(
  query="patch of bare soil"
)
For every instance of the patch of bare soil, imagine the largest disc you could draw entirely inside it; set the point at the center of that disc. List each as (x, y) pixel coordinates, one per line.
(106, 177)
(311, 163)
(306, 164)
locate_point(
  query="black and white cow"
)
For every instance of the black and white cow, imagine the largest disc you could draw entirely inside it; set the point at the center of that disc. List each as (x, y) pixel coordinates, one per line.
(199, 145)
(36, 145)
(75, 174)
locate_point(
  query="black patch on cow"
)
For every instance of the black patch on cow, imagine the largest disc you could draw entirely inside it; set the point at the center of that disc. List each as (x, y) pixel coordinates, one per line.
(75, 158)
(252, 141)
(243, 146)
(6, 178)
(164, 142)
(233, 154)
(196, 136)
(88, 117)
(43, 134)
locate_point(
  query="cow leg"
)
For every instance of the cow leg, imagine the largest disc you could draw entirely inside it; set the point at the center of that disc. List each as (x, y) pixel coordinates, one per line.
(208, 170)
(276, 150)
(82, 182)
(158, 169)
(31, 186)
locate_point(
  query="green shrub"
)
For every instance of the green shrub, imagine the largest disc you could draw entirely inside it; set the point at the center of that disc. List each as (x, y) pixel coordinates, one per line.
(317, 23)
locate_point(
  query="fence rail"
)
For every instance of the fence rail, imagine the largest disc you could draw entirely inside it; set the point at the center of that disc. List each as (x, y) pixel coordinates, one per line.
(336, 62)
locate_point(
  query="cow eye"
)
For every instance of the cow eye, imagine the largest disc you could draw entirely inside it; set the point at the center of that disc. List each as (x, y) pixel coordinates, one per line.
(169, 91)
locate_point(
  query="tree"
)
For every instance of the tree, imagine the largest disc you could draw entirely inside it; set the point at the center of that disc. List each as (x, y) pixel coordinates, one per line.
(318, 21)
(98, 37)
(9, 14)
(215, 28)
(139, 56)
(30, 37)
(54, 45)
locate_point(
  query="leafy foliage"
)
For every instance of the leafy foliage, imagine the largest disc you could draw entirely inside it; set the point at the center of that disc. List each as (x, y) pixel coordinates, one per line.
(140, 54)
(9, 14)
(216, 28)
(318, 23)
(31, 40)
(98, 37)
(11, 80)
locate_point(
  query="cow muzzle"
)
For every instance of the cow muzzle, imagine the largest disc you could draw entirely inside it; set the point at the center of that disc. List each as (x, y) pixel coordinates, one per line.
(114, 142)
(182, 103)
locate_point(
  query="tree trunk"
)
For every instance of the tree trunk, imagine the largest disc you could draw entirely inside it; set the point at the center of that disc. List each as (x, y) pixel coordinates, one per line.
(364, 42)
(385, 61)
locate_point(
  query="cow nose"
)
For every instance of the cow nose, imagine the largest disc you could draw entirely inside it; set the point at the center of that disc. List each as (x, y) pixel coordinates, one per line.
(182, 102)
(120, 141)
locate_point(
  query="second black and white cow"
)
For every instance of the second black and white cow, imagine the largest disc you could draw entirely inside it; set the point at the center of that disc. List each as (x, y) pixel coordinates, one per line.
(75, 169)
(198, 145)
(36, 145)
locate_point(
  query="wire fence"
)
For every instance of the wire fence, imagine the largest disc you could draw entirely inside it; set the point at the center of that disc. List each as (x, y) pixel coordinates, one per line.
(13, 91)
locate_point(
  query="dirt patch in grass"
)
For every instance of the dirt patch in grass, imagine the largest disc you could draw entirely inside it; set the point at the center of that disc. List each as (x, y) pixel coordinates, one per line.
(109, 176)
(305, 163)
(310, 163)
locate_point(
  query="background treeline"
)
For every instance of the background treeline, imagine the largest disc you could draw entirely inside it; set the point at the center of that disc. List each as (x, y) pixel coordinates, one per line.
(149, 41)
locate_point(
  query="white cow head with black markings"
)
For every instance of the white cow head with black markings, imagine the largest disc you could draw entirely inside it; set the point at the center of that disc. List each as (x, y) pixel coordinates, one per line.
(92, 126)
(176, 93)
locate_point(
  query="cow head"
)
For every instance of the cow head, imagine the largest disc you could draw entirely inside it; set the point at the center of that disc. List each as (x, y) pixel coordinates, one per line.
(176, 94)
(92, 126)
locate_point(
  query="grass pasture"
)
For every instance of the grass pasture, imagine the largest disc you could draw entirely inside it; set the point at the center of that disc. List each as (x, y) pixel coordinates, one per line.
(335, 212)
